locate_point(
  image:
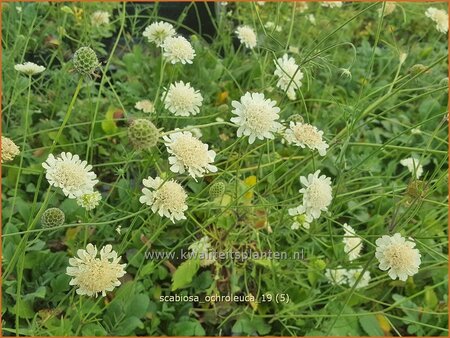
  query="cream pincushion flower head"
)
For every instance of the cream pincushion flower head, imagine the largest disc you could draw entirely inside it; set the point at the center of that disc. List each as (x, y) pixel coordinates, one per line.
(29, 68)
(93, 275)
(189, 154)
(178, 49)
(165, 198)
(99, 18)
(256, 117)
(146, 106)
(69, 173)
(301, 219)
(246, 36)
(352, 243)
(354, 274)
(317, 193)
(440, 17)
(289, 75)
(336, 276)
(201, 250)
(397, 255)
(306, 135)
(413, 166)
(9, 149)
(389, 8)
(89, 201)
(332, 4)
(157, 32)
(182, 100)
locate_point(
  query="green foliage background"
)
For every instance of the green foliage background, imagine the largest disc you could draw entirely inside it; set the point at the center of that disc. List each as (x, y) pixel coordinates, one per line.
(368, 120)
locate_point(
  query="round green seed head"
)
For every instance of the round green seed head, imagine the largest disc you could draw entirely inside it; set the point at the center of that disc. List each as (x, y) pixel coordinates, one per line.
(418, 68)
(143, 134)
(217, 189)
(52, 217)
(85, 61)
(296, 118)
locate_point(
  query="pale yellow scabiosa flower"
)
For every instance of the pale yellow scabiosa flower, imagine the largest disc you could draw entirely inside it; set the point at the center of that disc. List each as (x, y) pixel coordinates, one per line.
(93, 275)
(146, 106)
(413, 166)
(189, 154)
(256, 117)
(69, 173)
(178, 50)
(89, 201)
(332, 4)
(29, 68)
(336, 276)
(397, 255)
(317, 193)
(354, 274)
(9, 149)
(157, 32)
(389, 8)
(306, 135)
(289, 75)
(168, 198)
(99, 18)
(440, 17)
(201, 250)
(352, 243)
(246, 36)
(182, 100)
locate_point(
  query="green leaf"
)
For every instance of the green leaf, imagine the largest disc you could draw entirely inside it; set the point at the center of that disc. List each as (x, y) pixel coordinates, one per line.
(184, 274)
(93, 329)
(189, 328)
(23, 309)
(137, 305)
(370, 325)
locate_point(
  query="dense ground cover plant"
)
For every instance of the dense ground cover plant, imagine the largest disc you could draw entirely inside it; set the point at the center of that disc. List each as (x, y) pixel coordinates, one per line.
(317, 131)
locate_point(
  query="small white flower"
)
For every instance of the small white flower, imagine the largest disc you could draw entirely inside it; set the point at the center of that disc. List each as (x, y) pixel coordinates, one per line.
(336, 276)
(178, 49)
(317, 194)
(182, 100)
(146, 106)
(300, 218)
(256, 117)
(289, 75)
(261, 3)
(93, 275)
(294, 50)
(165, 198)
(306, 135)
(189, 153)
(157, 32)
(270, 25)
(311, 18)
(89, 201)
(397, 255)
(332, 4)
(202, 250)
(119, 229)
(352, 243)
(388, 9)
(247, 36)
(440, 17)
(29, 68)
(413, 166)
(9, 149)
(416, 131)
(69, 173)
(99, 18)
(353, 275)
